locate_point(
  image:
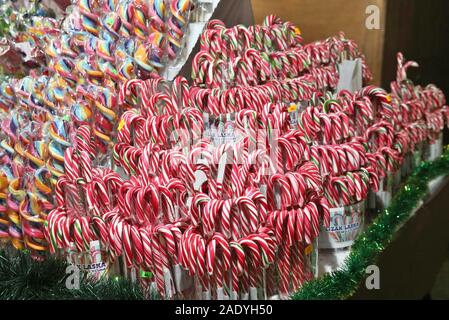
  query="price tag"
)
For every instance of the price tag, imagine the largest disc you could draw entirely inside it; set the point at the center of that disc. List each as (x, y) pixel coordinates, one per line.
(293, 112)
(146, 274)
(308, 250)
(121, 125)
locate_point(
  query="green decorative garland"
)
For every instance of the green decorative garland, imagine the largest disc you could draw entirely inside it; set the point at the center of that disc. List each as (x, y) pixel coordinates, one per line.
(343, 283)
(23, 278)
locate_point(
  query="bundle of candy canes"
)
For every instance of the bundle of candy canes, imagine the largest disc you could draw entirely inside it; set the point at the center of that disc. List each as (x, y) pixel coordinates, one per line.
(131, 154)
(77, 224)
(272, 35)
(419, 108)
(416, 123)
(253, 67)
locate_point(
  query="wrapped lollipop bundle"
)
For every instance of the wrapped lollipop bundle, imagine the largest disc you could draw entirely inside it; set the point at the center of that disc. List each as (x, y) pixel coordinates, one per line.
(83, 197)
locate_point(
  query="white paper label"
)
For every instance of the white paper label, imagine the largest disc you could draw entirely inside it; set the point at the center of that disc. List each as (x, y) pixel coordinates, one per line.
(350, 75)
(206, 295)
(345, 225)
(253, 293)
(182, 280)
(169, 292)
(221, 168)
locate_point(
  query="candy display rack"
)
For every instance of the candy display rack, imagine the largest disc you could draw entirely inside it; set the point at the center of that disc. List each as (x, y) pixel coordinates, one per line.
(286, 157)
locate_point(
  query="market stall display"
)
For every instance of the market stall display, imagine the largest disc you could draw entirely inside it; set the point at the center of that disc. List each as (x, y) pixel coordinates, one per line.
(226, 188)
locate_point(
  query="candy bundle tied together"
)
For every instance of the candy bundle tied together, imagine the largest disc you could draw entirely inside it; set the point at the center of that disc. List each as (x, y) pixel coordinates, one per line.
(421, 113)
(223, 189)
(83, 198)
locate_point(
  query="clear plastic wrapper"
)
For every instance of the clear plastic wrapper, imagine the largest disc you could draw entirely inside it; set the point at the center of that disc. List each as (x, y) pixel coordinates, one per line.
(34, 207)
(202, 9)
(382, 198)
(106, 116)
(435, 149)
(177, 31)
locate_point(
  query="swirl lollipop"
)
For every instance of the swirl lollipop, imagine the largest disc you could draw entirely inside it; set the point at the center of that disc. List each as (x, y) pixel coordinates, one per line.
(64, 67)
(112, 24)
(140, 19)
(81, 113)
(177, 23)
(126, 69)
(7, 96)
(157, 14)
(124, 53)
(88, 68)
(105, 117)
(150, 56)
(59, 132)
(15, 197)
(126, 13)
(32, 218)
(89, 19)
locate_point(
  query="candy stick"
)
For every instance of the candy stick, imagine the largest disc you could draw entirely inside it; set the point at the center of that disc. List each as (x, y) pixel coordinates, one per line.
(237, 267)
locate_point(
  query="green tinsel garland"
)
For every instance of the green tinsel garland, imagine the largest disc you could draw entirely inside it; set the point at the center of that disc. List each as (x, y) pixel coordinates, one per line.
(23, 278)
(343, 283)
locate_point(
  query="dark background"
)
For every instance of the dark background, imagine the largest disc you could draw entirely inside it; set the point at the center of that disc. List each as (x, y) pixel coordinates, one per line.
(419, 29)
